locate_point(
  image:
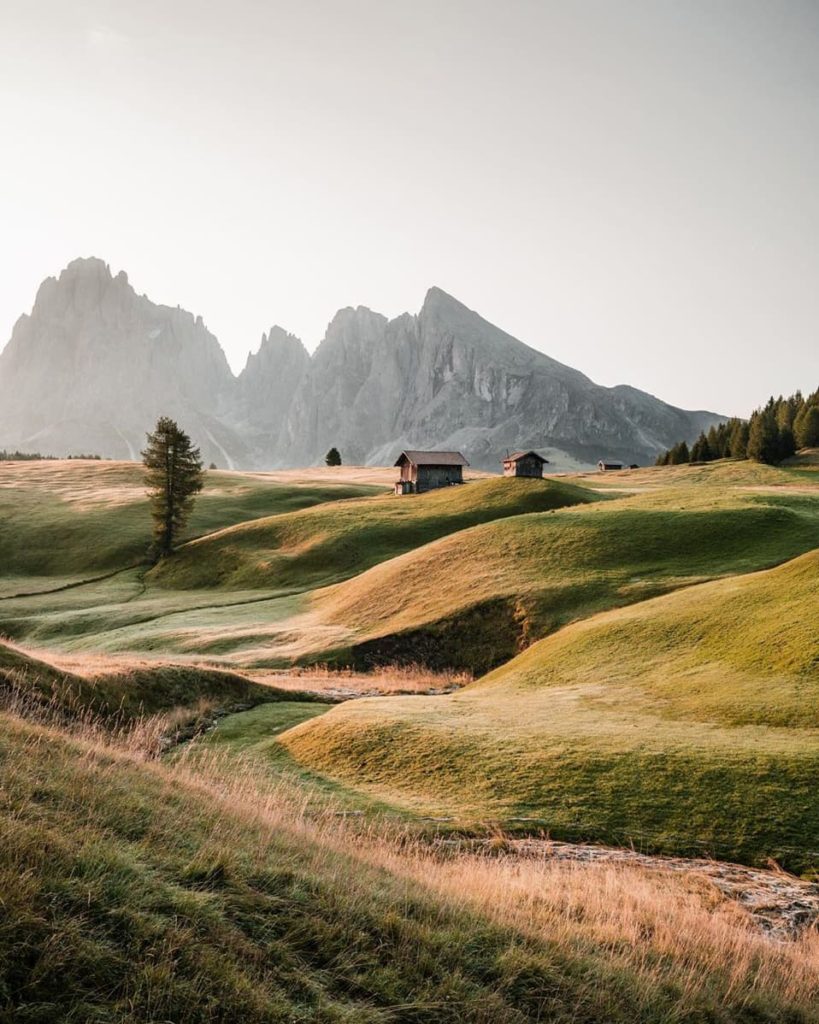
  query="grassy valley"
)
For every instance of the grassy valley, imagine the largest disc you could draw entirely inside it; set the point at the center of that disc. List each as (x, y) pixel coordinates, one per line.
(687, 723)
(68, 521)
(645, 674)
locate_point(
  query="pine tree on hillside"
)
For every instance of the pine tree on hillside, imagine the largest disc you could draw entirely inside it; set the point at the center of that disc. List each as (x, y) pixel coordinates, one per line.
(787, 443)
(701, 450)
(333, 457)
(679, 454)
(174, 476)
(738, 441)
(807, 427)
(763, 437)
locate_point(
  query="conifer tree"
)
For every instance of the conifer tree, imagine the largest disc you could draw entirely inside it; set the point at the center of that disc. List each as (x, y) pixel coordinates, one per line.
(763, 436)
(738, 443)
(701, 450)
(333, 457)
(807, 427)
(174, 476)
(679, 454)
(787, 443)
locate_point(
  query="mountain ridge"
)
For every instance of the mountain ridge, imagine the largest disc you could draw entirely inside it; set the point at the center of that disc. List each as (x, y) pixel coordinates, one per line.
(94, 364)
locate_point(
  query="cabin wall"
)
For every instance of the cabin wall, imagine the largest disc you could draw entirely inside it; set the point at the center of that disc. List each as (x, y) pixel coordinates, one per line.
(429, 478)
(529, 467)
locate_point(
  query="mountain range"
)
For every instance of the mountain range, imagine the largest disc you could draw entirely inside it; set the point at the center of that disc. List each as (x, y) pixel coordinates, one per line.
(94, 365)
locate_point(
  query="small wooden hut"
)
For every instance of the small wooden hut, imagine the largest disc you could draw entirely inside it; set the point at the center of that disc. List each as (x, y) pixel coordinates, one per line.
(608, 465)
(427, 471)
(524, 464)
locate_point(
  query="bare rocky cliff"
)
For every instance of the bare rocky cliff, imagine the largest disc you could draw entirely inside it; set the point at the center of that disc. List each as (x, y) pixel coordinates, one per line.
(447, 378)
(95, 364)
(265, 389)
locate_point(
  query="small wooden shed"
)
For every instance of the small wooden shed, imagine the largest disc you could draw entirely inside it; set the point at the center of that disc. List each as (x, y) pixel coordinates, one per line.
(427, 471)
(524, 464)
(607, 465)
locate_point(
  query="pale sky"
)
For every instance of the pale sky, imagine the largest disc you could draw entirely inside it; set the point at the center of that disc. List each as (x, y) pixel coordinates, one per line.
(631, 186)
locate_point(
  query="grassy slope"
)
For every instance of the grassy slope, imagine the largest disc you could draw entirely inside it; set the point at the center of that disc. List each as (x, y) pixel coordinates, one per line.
(129, 692)
(50, 510)
(133, 612)
(684, 722)
(323, 545)
(139, 894)
(499, 586)
(472, 598)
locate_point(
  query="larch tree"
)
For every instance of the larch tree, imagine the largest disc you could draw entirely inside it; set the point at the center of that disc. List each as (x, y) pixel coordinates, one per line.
(173, 478)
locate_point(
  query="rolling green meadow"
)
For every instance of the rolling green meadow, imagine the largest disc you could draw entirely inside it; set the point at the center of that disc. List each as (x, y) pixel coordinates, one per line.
(246, 783)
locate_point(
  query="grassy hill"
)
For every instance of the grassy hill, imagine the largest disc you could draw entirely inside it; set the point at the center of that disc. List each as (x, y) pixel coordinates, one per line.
(267, 558)
(319, 546)
(667, 696)
(500, 586)
(65, 520)
(685, 723)
(472, 598)
(140, 892)
(125, 692)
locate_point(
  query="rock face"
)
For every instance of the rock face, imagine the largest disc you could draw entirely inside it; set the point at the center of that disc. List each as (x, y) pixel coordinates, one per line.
(94, 365)
(447, 378)
(265, 390)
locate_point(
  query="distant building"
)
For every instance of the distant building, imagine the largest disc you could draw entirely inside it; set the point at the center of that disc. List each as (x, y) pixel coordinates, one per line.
(605, 465)
(426, 471)
(524, 464)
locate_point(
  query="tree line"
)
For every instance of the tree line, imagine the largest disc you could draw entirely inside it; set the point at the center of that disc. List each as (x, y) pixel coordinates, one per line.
(774, 432)
(15, 456)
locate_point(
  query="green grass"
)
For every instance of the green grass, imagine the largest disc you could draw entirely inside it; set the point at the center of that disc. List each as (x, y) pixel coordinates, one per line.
(474, 599)
(319, 546)
(140, 891)
(470, 599)
(70, 520)
(139, 894)
(130, 691)
(256, 730)
(686, 724)
(272, 559)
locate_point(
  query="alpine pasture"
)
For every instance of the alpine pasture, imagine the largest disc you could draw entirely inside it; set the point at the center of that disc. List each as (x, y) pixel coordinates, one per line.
(201, 819)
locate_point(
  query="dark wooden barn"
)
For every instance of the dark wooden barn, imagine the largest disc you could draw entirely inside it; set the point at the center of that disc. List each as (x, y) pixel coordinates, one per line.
(426, 471)
(524, 464)
(609, 465)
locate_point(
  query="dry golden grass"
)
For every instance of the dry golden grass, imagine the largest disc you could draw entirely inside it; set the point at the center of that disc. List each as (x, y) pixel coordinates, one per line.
(379, 475)
(662, 931)
(650, 922)
(386, 679)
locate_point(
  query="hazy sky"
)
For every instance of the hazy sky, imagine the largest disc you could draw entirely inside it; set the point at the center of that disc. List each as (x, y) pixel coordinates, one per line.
(632, 187)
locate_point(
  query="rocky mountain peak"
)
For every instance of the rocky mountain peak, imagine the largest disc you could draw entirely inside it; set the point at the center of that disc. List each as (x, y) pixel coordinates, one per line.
(95, 364)
(276, 344)
(437, 300)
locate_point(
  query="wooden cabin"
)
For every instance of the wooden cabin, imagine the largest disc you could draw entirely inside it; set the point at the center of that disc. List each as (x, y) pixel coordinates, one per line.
(607, 465)
(524, 464)
(427, 471)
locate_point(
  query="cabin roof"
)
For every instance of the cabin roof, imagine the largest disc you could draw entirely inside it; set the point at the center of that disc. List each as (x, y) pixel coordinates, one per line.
(609, 462)
(417, 458)
(515, 456)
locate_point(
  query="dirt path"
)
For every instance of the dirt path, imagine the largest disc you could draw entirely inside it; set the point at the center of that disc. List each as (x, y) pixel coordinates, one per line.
(781, 904)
